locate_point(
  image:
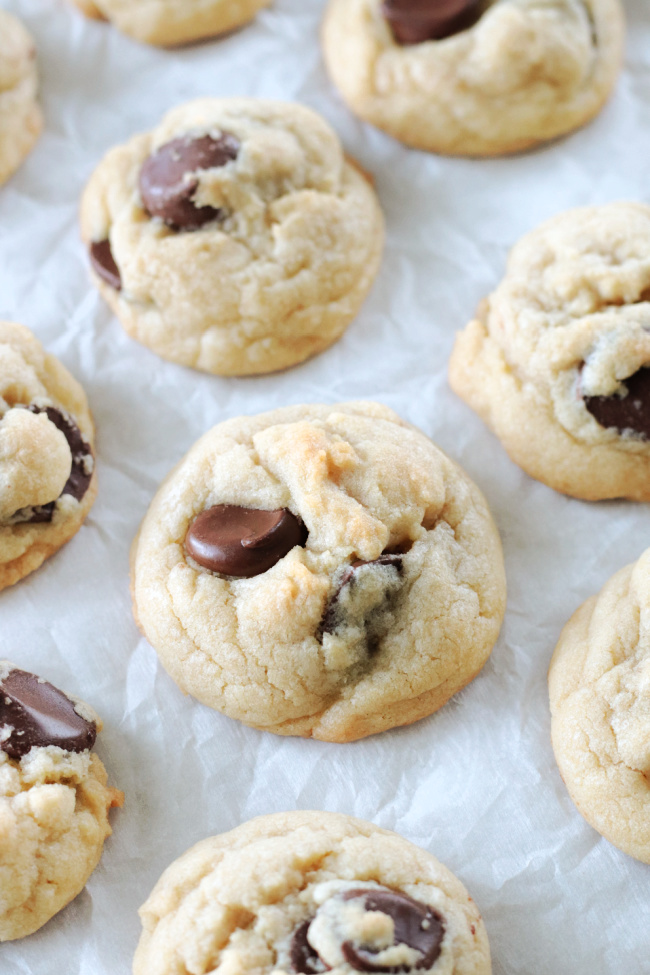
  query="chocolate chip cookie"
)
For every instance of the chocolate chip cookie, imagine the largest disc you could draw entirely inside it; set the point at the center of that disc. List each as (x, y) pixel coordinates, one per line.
(557, 361)
(474, 77)
(310, 892)
(54, 800)
(47, 470)
(235, 238)
(599, 684)
(169, 22)
(21, 120)
(323, 571)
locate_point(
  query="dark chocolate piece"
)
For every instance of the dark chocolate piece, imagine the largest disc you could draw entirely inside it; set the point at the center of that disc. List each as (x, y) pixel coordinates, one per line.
(304, 959)
(416, 925)
(243, 542)
(417, 21)
(103, 264)
(79, 480)
(40, 715)
(332, 613)
(629, 412)
(165, 188)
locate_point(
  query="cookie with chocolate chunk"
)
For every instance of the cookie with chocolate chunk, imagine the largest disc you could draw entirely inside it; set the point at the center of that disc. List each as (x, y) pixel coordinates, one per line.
(235, 238)
(474, 77)
(54, 800)
(323, 571)
(21, 119)
(322, 892)
(169, 22)
(557, 361)
(47, 470)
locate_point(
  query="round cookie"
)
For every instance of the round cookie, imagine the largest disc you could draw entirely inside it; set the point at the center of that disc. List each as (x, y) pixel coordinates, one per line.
(309, 892)
(170, 22)
(441, 76)
(47, 479)
(599, 684)
(21, 120)
(323, 571)
(54, 800)
(235, 238)
(556, 362)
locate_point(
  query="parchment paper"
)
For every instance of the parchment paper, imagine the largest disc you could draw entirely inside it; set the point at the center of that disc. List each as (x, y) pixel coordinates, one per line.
(476, 784)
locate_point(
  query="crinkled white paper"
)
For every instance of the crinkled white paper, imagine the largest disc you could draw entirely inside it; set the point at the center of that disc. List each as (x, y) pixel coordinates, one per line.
(476, 784)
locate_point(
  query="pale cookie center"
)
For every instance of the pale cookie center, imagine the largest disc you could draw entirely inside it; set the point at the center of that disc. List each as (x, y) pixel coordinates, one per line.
(35, 461)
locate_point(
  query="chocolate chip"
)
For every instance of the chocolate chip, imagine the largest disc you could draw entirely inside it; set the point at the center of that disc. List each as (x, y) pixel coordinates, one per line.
(332, 616)
(629, 412)
(79, 480)
(165, 188)
(40, 715)
(416, 925)
(103, 263)
(416, 21)
(304, 959)
(243, 542)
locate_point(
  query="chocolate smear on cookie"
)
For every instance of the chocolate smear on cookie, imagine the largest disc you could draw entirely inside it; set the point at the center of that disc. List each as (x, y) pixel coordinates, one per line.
(243, 542)
(304, 959)
(417, 21)
(36, 714)
(628, 412)
(335, 612)
(167, 183)
(103, 264)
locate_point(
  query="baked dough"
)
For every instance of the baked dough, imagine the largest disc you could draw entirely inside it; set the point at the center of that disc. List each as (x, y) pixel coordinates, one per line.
(255, 899)
(280, 270)
(599, 684)
(21, 120)
(526, 72)
(556, 360)
(310, 642)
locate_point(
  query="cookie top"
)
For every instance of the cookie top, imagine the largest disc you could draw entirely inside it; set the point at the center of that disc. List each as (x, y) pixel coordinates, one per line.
(235, 238)
(47, 481)
(599, 684)
(557, 361)
(441, 76)
(321, 571)
(309, 892)
(169, 22)
(21, 120)
(54, 800)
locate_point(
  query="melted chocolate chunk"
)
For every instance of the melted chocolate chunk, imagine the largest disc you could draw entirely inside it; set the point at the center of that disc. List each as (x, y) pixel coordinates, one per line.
(332, 614)
(165, 188)
(630, 412)
(79, 480)
(416, 21)
(303, 957)
(103, 264)
(243, 542)
(416, 925)
(40, 715)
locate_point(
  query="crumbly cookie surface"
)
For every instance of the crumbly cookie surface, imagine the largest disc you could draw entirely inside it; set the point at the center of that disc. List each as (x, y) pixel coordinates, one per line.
(21, 120)
(466, 94)
(556, 361)
(271, 895)
(54, 806)
(292, 242)
(388, 604)
(599, 683)
(47, 480)
(170, 22)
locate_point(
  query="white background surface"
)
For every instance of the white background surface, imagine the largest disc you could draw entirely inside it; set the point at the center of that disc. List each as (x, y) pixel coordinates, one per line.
(476, 784)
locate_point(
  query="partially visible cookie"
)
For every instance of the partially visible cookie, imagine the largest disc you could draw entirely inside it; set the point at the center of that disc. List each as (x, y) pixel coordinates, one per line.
(474, 77)
(54, 800)
(599, 683)
(47, 472)
(170, 22)
(21, 119)
(323, 571)
(557, 361)
(235, 238)
(310, 892)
